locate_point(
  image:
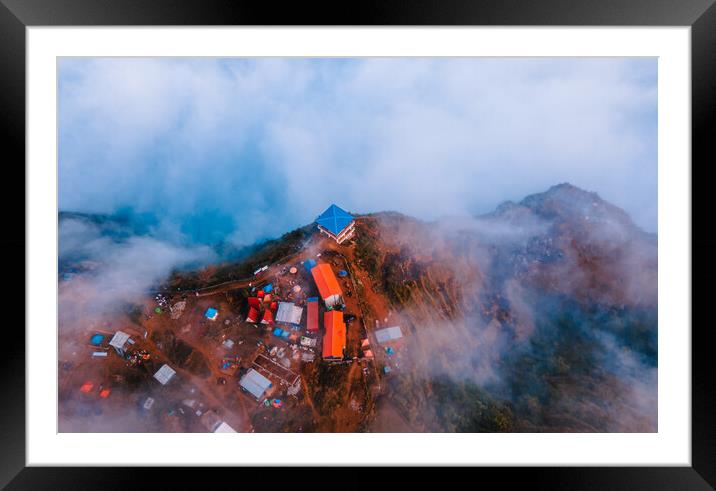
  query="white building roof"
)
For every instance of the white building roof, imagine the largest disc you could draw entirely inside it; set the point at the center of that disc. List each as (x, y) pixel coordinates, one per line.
(119, 339)
(388, 334)
(224, 428)
(310, 342)
(289, 313)
(255, 383)
(164, 374)
(148, 403)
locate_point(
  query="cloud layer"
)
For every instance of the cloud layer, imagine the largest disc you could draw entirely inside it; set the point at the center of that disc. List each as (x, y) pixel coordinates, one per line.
(250, 148)
(119, 272)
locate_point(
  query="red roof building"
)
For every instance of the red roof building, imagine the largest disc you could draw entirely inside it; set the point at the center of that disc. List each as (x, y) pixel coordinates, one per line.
(312, 315)
(334, 340)
(327, 284)
(253, 315)
(268, 317)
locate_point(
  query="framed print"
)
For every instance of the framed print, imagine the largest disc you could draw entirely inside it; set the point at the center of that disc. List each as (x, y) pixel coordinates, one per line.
(424, 236)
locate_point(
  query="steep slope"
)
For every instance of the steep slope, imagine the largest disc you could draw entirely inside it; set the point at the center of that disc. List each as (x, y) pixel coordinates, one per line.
(540, 316)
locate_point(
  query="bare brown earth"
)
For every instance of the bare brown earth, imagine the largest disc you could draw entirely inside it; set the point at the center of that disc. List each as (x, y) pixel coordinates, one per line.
(399, 274)
(335, 397)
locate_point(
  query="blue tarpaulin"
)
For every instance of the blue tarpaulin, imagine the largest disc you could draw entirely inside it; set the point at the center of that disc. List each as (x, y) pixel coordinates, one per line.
(97, 339)
(342, 273)
(211, 313)
(277, 332)
(309, 264)
(268, 288)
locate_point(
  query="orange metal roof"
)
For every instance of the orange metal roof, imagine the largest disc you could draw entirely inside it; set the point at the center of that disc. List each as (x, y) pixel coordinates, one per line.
(326, 281)
(335, 338)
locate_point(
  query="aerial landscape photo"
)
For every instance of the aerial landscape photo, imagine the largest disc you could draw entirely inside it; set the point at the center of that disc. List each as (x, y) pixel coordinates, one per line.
(372, 245)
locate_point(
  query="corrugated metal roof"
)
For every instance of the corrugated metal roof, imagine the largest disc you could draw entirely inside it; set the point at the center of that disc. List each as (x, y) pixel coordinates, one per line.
(164, 374)
(119, 339)
(224, 428)
(312, 315)
(289, 313)
(334, 219)
(326, 281)
(255, 383)
(334, 341)
(388, 334)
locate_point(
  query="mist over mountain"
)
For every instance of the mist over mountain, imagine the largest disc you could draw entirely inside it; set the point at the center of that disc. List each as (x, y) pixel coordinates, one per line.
(541, 316)
(538, 316)
(240, 150)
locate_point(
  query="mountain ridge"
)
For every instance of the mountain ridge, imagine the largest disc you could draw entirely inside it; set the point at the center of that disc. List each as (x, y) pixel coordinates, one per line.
(539, 316)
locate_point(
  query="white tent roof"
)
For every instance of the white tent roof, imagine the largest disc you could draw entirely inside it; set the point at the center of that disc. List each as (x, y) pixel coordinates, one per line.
(388, 334)
(164, 374)
(255, 383)
(119, 339)
(224, 428)
(289, 313)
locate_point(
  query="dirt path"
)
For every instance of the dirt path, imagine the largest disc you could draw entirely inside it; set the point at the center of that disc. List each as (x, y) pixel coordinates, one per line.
(349, 380)
(309, 401)
(201, 385)
(234, 284)
(390, 420)
(363, 318)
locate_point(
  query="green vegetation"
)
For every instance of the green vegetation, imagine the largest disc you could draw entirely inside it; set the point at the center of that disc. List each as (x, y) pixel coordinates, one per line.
(366, 253)
(567, 363)
(446, 405)
(181, 354)
(250, 259)
(285, 420)
(326, 379)
(464, 407)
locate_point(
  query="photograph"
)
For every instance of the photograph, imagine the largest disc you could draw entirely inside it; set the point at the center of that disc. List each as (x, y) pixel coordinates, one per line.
(357, 244)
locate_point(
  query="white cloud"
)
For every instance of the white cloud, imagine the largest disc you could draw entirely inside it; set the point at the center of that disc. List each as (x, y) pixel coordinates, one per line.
(271, 142)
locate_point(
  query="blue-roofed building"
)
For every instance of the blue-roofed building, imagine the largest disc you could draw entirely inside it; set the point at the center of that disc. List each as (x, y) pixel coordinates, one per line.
(336, 223)
(211, 313)
(255, 383)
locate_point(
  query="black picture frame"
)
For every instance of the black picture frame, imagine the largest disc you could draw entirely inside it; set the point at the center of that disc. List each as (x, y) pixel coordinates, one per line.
(16, 15)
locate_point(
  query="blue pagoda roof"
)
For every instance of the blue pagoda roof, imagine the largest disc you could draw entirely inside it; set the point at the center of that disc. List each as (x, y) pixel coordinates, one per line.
(334, 219)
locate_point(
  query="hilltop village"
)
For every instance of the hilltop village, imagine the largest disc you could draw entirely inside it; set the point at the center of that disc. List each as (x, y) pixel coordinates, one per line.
(299, 345)
(376, 323)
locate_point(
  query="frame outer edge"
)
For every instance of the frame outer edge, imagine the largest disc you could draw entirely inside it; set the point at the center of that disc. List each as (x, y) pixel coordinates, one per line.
(12, 245)
(703, 117)
(12, 100)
